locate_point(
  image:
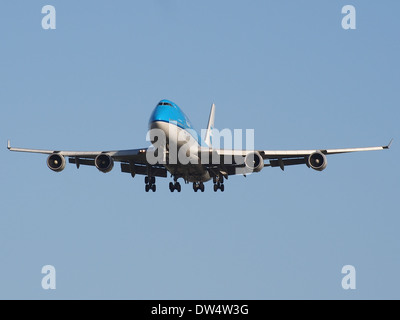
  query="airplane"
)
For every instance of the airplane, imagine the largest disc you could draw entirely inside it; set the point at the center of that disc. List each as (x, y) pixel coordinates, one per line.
(168, 118)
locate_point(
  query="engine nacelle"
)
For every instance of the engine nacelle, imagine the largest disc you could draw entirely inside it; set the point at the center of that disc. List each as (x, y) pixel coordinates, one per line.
(104, 163)
(317, 161)
(56, 162)
(254, 162)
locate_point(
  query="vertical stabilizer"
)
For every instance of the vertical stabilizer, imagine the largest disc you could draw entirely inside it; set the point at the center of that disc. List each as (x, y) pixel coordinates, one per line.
(210, 127)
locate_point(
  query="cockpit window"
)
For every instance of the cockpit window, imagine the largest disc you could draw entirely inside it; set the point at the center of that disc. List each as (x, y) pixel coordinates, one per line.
(165, 104)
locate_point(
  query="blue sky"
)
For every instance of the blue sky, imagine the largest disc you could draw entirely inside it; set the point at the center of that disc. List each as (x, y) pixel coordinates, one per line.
(284, 68)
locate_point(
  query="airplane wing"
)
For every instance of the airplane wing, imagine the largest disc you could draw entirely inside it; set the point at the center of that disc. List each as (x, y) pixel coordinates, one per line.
(277, 158)
(119, 155)
(132, 161)
(270, 154)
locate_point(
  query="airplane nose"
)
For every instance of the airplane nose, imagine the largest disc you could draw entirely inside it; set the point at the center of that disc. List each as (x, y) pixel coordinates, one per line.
(160, 113)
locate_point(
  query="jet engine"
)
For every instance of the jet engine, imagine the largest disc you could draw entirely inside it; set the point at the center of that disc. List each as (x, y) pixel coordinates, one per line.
(317, 161)
(254, 162)
(56, 162)
(104, 163)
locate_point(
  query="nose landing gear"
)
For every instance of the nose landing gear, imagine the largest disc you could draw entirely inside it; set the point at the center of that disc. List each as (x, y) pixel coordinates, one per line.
(219, 183)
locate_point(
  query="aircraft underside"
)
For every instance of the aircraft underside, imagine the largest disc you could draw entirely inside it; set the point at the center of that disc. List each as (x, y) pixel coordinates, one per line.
(195, 174)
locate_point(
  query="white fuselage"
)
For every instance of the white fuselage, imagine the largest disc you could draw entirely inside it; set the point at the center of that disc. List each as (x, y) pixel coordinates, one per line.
(182, 147)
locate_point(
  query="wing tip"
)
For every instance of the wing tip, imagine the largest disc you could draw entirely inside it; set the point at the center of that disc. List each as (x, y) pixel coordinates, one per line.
(389, 145)
(9, 145)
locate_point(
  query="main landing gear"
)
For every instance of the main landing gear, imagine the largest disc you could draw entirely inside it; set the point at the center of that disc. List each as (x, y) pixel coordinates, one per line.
(219, 183)
(150, 184)
(175, 186)
(198, 186)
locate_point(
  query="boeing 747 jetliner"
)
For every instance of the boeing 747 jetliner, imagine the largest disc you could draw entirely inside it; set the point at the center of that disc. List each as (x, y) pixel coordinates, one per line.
(205, 162)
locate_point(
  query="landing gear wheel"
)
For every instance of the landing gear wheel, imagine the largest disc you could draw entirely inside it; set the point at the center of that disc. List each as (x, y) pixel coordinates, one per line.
(146, 180)
(215, 188)
(171, 187)
(153, 188)
(222, 187)
(152, 180)
(147, 188)
(202, 187)
(178, 186)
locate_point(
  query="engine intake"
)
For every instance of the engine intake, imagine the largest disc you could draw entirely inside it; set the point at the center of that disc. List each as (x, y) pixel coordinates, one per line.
(254, 162)
(56, 162)
(104, 163)
(317, 161)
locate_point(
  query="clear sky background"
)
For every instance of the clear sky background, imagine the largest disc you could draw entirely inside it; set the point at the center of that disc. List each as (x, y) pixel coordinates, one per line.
(284, 68)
